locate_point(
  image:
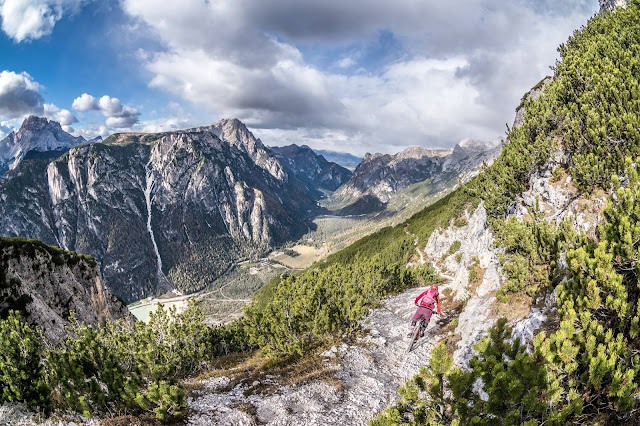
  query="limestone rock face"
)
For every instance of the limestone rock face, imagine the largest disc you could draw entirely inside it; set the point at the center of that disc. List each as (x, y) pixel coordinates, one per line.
(475, 251)
(610, 5)
(558, 199)
(46, 284)
(237, 134)
(532, 94)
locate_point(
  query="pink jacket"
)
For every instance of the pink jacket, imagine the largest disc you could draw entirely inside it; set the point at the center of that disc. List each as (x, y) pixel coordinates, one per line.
(430, 307)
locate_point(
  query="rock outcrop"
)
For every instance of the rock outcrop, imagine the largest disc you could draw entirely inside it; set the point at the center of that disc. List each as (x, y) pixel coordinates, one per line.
(45, 284)
(610, 5)
(532, 94)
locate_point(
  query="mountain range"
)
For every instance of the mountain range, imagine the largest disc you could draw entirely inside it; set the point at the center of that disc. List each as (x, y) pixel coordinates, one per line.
(313, 169)
(183, 205)
(178, 209)
(379, 176)
(344, 159)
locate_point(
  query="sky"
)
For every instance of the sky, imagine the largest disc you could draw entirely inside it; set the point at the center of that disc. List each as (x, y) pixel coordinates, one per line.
(353, 76)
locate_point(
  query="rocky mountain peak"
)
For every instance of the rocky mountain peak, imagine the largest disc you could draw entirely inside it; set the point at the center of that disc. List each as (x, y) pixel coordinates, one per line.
(37, 124)
(236, 133)
(468, 147)
(382, 175)
(474, 145)
(418, 152)
(147, 206)
(35, 134)
(609, 5)
(234, 130)
(368, 157)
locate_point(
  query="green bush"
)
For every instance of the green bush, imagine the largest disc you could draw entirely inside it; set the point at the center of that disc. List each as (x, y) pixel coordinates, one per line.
(116, 368)
(166, 401)
(22, 374)
(589, 109)
(461, 221)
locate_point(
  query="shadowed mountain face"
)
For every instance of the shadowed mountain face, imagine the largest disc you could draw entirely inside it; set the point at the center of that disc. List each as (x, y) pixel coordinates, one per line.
(381, 176)
(312, 169)
(158, 210)
(65, 282)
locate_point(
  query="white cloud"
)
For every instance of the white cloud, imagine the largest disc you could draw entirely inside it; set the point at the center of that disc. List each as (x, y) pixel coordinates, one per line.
(460, 72)
(62, 116)
(117, 115)
(164, 125)
(127, 118)
(85, 102)
(110, 106)
(346, 62)
(91, 132)
(31, 19)
(19, 95)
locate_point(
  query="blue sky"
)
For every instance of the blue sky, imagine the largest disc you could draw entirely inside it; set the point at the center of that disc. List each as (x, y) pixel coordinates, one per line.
(331, 74)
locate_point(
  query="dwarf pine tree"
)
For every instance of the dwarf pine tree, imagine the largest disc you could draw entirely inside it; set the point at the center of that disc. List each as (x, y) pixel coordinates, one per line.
(22, 374)
(505, 385)
(593, 357)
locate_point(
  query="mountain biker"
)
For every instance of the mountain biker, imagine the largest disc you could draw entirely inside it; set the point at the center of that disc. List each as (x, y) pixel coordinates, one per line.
(426, 303)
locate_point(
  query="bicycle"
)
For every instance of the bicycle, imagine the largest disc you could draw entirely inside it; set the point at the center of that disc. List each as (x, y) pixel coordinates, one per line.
(417, 333)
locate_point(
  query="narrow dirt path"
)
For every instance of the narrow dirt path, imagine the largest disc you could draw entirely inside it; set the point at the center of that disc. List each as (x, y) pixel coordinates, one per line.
(417, 247)
(368, 374)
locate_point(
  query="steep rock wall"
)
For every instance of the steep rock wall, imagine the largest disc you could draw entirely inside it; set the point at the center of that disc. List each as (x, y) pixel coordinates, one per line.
(46, 284)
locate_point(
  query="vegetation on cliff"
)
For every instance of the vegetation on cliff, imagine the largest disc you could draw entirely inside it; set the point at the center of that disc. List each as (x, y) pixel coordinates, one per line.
(585, 370)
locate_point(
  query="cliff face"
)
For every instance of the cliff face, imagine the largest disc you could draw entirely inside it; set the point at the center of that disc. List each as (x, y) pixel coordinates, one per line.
(237, 134)
(157, 210)
(311, 168)
(46, 284)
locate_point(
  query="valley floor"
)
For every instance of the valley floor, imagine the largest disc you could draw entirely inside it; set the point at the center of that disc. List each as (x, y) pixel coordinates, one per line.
(363, 381)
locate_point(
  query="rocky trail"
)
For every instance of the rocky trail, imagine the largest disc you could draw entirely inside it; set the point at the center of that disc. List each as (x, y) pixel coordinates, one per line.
(367, 372)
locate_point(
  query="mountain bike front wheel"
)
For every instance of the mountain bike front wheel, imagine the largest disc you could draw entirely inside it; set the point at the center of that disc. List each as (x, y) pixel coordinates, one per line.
(414, 337)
